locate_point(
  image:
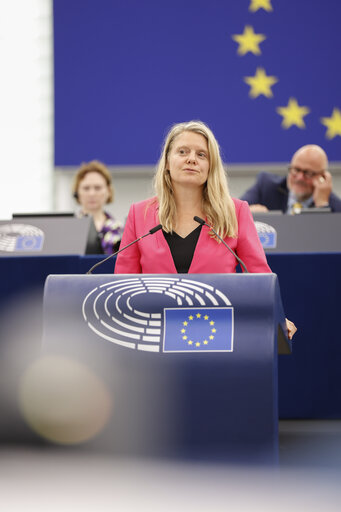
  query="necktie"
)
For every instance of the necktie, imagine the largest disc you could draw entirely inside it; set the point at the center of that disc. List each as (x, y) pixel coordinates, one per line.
(296, 208)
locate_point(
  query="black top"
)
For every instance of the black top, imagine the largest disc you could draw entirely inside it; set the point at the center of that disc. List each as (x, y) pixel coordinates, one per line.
(182, 249)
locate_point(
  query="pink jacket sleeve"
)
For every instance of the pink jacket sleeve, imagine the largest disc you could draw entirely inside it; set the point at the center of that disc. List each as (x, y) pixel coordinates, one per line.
(249, 247)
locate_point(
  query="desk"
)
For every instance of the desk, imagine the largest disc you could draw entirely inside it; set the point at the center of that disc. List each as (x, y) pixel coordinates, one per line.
(304, 233)
(309, 379)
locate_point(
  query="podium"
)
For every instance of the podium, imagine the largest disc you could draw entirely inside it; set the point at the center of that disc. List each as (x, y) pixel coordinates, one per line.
(190, 359)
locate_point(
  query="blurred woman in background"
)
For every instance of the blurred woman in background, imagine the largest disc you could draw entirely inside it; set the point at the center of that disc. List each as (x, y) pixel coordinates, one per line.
(93, 189)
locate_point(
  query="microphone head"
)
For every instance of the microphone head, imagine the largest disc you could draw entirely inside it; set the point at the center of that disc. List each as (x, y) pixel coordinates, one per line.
(199, 220)
(155, 229)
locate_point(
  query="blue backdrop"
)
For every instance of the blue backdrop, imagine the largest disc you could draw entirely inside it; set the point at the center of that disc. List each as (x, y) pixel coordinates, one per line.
(266, 80)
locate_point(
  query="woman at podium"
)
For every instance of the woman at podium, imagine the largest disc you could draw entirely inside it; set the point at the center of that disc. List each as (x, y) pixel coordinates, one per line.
(190, 182)
(192, 198)
(93, 189)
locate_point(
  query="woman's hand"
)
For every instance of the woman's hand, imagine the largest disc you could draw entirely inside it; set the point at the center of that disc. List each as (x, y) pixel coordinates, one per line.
(291, 328)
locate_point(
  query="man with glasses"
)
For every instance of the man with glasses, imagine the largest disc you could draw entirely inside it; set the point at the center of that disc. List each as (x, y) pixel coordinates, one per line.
(307, 185)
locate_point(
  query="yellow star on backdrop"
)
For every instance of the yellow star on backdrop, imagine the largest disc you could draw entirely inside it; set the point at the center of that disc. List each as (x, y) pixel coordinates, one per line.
(293, 114)
(260, 4)
(261, 83)
(333, 124)
(248, 41)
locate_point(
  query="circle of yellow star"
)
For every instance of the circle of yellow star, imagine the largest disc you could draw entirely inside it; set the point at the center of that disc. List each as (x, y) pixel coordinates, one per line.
(333, 124)
(293, 114)
(260, 4)
(261, 83)
(190, 342)
(248, 41)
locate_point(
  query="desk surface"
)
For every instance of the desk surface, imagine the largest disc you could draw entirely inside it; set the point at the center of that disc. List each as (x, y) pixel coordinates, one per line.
(307, 232)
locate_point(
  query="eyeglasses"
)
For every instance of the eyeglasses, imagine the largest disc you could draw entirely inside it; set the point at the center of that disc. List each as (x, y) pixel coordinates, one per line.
(306, 174)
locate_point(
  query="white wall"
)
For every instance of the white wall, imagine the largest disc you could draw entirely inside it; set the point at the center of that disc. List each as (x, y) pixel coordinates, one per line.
(26, 106)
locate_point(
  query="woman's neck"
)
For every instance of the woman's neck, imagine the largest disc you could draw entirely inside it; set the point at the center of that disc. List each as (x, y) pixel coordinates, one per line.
(188, 204)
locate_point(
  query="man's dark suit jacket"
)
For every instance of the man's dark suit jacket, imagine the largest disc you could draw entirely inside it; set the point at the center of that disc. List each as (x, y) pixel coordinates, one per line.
(271, 191)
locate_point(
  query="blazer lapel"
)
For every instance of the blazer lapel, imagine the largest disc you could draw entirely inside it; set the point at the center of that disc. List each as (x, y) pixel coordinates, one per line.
(163, 246)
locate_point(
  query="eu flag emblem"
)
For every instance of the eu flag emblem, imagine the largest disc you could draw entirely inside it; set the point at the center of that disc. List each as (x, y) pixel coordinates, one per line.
(198, 329)
(29, 243)
(267, 235)
(268, 240)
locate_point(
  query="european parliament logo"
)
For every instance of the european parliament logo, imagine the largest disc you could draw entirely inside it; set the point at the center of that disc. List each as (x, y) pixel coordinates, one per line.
(17, 237)
(267, 235)
(161, 314)
(198, 329)
(29, 243)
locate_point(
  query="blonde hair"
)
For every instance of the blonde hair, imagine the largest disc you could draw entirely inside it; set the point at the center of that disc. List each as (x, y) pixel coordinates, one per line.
(93, 166)
(217, 203)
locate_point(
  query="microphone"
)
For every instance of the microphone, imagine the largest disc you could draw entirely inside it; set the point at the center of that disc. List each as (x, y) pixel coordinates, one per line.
(203, 223)
(150, 232)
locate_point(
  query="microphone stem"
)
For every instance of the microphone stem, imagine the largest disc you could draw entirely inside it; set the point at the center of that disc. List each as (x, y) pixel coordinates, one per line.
(229, 248)
(203, 223)
(115, 253)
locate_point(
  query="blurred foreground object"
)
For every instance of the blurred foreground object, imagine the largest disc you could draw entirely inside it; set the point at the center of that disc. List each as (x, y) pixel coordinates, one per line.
(63, 400)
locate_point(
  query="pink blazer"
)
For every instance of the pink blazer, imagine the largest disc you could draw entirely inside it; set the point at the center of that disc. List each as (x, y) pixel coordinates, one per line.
(152, 255)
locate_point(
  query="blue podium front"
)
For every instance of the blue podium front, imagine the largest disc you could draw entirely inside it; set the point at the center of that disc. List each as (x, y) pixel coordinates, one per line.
(190, 360)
